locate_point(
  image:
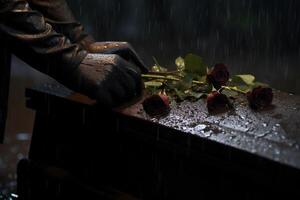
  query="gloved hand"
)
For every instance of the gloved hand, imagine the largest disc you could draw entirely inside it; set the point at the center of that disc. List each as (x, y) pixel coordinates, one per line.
(123, 49)
(108, 78)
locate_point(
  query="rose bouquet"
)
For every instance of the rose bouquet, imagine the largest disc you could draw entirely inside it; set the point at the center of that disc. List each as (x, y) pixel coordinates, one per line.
(193, 80)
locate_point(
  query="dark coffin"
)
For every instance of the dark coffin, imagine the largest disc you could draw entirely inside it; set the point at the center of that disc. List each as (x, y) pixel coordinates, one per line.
(186, 155)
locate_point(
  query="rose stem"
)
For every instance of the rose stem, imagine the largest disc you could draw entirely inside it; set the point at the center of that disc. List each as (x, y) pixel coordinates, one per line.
(159, 77)
(233, 89)
(174, 73)
(168, 78)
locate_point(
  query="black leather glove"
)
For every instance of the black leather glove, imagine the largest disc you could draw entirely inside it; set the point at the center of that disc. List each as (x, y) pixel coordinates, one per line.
(123, 49)
(108, 78)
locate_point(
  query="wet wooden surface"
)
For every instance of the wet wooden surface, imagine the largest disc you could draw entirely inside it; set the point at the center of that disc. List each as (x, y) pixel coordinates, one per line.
(272, 133)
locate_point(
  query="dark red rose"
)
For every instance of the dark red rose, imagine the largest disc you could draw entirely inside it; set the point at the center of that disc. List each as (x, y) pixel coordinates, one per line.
(260, 97)
(157, 105)
(217, 102)
(218, 76)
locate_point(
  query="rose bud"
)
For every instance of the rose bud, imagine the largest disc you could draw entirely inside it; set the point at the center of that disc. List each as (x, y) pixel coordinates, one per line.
(260, 97)
(217, 102)
(157, 105)
(218, 76)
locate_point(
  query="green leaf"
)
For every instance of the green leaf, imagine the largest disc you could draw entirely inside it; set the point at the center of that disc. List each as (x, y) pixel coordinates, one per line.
(209, 88)
(180, 64)
(230, 93)
(185, 83)
(163, 69)
(194, 65)
(196, 95)
(157, 67)
(247, 79)
(202, 79)
(244, 88)
(180, 94)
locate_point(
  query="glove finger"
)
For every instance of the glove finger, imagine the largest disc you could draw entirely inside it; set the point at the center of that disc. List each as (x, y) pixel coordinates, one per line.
(117, 99)
(121, 84)
(131, 56)
(118, 93)
(128, 84)
(138, 61)
(138, 81)
(135, 74)
(104, 98)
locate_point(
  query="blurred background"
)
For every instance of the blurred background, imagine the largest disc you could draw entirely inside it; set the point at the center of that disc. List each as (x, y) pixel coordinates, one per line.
(261, 37)
(251, 36)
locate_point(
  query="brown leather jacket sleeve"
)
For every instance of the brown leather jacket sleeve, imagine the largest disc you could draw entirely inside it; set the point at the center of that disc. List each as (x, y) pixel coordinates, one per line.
(34, 40)
(58, 14)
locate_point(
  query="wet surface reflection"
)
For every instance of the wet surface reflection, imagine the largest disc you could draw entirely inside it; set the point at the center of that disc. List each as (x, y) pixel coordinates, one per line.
(270, 133)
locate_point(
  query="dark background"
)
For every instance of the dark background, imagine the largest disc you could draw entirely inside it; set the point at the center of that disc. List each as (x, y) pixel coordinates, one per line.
(251, 36)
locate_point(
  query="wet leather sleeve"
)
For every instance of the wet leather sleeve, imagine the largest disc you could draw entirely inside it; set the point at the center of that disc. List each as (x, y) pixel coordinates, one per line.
(59, 15)
(34, 40)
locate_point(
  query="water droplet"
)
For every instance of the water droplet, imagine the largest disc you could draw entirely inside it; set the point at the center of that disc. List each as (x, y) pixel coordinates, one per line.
(291, 143)
(207, 134)
(232, 137)
(253, 150)
(264, 124)
(278, 125)
(200, 127)
(277, 151)
(242, 129)
(262, 135)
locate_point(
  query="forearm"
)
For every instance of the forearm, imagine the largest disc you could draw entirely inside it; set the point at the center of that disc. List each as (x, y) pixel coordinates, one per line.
(35, 41)
(60, 16)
